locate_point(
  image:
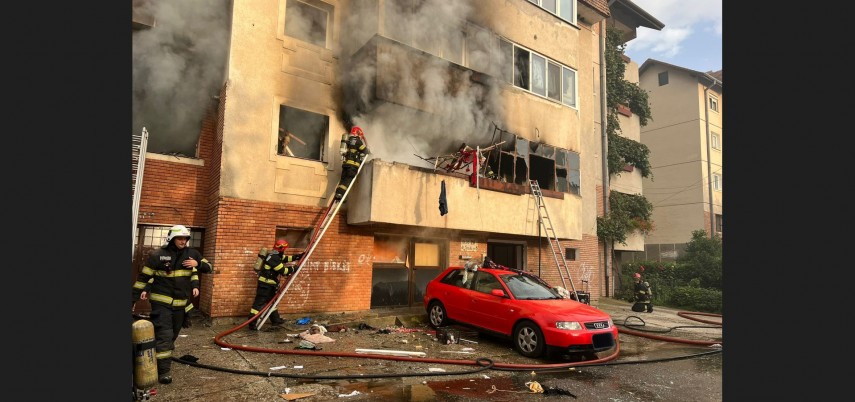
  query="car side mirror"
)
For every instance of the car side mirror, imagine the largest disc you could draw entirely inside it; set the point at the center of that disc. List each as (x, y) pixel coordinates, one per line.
(498, 292)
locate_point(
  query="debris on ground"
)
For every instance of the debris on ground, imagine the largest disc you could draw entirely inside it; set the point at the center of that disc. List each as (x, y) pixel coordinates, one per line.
(354, 393)
(291, 397)
(304, 321)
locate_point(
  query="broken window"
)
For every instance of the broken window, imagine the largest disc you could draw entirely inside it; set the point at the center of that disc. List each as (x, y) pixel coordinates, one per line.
(519, 160)
(302, 134)
(307, 20)
(521, 65)
(296, 237)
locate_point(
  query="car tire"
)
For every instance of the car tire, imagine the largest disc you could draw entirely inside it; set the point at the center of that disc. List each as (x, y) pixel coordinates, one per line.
(437, 316)
(528, 339)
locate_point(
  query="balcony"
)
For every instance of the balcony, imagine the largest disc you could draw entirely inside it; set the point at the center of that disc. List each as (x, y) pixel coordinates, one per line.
(400, 194)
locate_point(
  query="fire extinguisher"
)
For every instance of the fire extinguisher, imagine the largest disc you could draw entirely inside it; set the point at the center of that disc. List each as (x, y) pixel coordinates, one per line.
(145, 362)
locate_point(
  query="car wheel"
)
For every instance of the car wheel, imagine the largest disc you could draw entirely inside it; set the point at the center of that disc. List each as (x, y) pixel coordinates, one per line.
(437, 315)
(528, 339)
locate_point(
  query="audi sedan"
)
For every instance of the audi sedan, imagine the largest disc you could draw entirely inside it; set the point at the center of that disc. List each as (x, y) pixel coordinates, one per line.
(520, 306)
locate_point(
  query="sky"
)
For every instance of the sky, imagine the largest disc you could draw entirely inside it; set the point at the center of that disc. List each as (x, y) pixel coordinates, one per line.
(691, 37)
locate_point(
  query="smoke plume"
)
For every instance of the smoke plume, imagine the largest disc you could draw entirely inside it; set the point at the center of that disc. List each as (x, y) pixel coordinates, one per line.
(178, 66)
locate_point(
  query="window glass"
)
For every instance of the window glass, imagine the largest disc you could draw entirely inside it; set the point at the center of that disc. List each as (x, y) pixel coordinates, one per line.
(568, 94)
(538, 75)
(663, 78)
(485, 283)
(521, 67)
(306, 22)
(554, 81)
(525, 287)
(549, 5)
(302, 134)
(566, 10)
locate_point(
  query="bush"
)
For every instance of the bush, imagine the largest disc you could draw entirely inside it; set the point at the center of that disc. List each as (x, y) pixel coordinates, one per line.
(695, 299)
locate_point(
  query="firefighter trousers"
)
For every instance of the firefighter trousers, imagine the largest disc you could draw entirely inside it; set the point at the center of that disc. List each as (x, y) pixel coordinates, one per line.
(167, 324)
(263, 294)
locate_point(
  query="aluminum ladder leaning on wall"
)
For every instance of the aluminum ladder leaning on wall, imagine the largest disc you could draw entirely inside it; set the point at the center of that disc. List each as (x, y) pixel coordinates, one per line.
(554, 244)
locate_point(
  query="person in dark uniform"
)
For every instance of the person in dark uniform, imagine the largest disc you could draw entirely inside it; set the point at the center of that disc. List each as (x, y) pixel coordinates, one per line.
(168, 280)
(354, 149)
(268, 280)
(643, 294)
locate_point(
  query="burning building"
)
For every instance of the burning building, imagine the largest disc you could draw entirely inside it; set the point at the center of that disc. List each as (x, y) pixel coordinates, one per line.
(420, 77)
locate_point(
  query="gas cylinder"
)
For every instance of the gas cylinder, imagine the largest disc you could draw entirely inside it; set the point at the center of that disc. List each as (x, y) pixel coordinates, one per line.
(145, 363)
(259, 261)
(343, 148)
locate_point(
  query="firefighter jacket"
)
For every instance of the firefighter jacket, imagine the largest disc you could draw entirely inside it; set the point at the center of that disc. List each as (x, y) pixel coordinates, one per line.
(643, 291)
(166, 281)
(274, 265)
(356, 151)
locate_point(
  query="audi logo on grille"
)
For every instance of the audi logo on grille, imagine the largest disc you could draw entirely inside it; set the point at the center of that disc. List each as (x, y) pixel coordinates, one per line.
(599, 325)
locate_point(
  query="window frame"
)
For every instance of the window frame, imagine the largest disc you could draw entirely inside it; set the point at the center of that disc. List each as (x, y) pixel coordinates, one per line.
(662, 81)
(282, 129)
(517, 78)
(717, 182)
(560, 12)
(326, 8)
(715, 141)
(713, 103)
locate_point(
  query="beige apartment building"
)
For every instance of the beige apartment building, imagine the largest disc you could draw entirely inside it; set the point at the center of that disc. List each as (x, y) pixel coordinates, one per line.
(685, 140)
(420, 77)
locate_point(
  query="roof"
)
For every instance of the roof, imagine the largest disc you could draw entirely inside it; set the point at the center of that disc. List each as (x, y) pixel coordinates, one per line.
(627, 11)
(713, 78)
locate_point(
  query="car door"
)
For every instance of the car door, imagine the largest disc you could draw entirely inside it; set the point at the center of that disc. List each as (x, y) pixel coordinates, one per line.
(489, 311)
(454, 294)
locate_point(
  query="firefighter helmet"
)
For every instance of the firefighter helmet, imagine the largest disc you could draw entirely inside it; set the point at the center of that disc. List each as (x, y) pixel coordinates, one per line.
(636, 275)
(357, 131)
(177, 231)
(281, 245)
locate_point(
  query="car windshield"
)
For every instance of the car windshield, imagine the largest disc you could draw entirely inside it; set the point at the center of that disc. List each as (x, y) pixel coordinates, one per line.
(526, 287)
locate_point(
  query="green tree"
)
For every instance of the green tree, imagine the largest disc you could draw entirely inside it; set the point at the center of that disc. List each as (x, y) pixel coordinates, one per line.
(701, 264)
(627, 213)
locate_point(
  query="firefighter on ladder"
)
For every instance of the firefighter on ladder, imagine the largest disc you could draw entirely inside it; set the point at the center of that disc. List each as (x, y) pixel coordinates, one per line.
(268, 280)
(353, 152)
(168, 280)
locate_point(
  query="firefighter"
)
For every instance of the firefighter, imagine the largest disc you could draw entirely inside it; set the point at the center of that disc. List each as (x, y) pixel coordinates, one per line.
(268, 280)
(168, 280)
(642, 295)
(354, 150)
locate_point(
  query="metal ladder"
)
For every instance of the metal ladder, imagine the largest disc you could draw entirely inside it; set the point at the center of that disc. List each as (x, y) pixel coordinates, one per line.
(332, 210)
(139, 144)
(554, 244)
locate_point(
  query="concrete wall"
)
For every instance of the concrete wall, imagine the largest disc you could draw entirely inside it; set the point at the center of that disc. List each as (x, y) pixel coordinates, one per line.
(676, 137)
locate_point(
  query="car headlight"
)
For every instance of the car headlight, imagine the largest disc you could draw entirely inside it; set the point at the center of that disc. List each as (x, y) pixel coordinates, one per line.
(572, 325)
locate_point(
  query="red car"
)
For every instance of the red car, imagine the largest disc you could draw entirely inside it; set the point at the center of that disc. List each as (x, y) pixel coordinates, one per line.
(520, 306)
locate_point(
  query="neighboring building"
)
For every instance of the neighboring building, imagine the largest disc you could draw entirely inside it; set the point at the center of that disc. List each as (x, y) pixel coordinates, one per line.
(628, 17)
(418, 76)
(685, 138)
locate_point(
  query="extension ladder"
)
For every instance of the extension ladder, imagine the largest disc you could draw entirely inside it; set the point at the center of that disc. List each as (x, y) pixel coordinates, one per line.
(554, 244)
(332, 209)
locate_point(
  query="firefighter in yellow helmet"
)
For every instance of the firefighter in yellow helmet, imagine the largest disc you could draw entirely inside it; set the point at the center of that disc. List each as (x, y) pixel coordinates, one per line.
(268, 280)
(354, 151)
(169, 280)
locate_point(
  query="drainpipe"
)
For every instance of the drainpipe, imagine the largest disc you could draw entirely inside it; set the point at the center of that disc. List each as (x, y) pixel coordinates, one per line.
(605, 142)
(709, 151)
